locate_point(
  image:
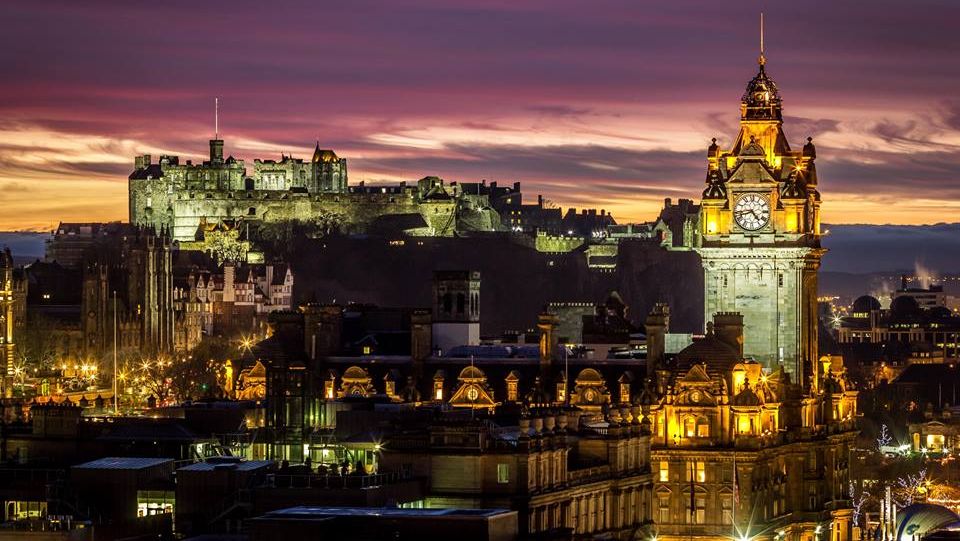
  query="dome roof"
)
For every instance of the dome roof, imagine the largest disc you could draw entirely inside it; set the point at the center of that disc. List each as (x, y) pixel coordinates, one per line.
(355, 372)
(710, 350)
(589, 375)
(866, 303)
(914, 521)
(761, 98)
(904, 306)
(471, 373)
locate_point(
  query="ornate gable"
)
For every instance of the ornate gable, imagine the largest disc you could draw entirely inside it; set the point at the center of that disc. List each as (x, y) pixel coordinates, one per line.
(473, 391)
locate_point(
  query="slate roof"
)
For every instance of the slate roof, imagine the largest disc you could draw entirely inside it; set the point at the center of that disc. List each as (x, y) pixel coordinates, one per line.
(122, 463)
(151, 171)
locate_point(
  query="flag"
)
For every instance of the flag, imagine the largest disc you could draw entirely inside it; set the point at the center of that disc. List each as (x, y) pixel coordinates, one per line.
(693, 493)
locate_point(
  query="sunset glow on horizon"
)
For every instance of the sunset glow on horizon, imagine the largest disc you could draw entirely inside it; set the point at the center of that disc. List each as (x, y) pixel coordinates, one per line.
(611, 108)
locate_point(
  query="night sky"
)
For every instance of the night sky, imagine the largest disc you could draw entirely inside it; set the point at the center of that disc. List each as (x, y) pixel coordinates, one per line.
(606, 104)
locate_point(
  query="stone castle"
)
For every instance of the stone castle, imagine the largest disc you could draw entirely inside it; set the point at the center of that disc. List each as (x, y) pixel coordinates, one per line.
(182, 197)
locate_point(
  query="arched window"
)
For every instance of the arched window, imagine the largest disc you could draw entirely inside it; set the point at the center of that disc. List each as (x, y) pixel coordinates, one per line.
(703, 427)
(690, 426)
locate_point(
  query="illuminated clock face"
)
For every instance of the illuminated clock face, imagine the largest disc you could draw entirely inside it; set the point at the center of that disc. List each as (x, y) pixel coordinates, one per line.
(752, 211)
(473, 394)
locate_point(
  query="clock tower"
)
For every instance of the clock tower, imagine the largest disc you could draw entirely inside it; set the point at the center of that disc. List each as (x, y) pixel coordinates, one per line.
(760, 235)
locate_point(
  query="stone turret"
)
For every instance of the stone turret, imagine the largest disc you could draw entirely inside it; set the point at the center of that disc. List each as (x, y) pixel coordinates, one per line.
(216, 151)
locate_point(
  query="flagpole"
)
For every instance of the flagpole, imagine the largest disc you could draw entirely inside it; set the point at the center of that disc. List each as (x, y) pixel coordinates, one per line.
(736, 496)
(471, 375)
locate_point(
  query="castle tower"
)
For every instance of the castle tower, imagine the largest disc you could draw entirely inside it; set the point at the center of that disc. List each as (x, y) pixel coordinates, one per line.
(456, 309)
(329, 171)
(760, 229)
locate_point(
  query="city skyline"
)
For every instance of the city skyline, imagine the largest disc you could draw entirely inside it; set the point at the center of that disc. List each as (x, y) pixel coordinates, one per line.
(604, 109)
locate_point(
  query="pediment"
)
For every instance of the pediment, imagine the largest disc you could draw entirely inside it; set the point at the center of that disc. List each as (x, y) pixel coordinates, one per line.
(696, 374)
(751, 172)
(472, 395)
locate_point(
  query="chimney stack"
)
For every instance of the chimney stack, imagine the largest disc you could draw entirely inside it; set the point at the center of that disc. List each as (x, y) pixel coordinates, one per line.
(547, 324)
(728, 327)
(657, 325)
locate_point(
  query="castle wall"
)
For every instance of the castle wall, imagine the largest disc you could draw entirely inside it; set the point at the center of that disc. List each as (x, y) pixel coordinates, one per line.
(355, 211)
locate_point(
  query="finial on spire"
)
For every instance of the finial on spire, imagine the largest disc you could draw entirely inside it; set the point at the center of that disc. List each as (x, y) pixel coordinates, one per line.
(763, 59)
(216, 118)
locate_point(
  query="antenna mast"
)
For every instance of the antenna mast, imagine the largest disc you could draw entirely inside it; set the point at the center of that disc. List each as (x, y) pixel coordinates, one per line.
(216, 113)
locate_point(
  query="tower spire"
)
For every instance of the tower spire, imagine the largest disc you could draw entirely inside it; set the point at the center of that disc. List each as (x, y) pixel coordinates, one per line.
(762, 59)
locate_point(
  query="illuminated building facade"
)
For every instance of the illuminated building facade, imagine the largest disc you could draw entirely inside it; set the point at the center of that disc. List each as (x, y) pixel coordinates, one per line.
(921, 333)
(740, 451)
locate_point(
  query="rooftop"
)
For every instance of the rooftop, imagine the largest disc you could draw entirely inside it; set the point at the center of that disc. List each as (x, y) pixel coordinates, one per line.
(122, 463)
(236, 465)
(392, 512)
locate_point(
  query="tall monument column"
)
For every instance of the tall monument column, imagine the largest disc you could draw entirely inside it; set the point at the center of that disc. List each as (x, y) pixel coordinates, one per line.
(6, 323)
(760, 230)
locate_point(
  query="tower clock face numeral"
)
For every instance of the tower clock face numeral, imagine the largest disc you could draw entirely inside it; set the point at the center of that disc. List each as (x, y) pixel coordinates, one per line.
(752, 211)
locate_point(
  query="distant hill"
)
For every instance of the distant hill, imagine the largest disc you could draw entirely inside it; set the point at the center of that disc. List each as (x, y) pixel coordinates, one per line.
(25, 246)
(892, 248)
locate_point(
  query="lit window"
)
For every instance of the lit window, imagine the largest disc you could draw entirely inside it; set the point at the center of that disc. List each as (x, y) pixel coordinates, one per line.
(664, 471)
(503, 473)
(367, 350)
(703, 427)
(663, 501)
(697, 472)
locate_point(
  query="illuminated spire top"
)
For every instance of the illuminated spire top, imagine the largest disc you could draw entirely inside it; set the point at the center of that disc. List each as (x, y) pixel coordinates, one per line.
(762, 59)
(761, 100)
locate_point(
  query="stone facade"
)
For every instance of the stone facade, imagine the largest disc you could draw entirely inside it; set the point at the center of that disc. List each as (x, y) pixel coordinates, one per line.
(128, 276)
(760, 235)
